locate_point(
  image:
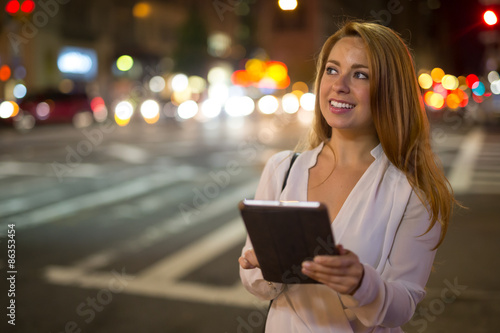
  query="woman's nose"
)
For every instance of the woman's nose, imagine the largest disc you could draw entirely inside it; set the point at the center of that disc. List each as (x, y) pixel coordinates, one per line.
(341, 84)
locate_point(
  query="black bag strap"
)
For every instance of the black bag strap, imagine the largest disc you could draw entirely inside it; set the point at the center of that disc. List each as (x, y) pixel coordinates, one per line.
(294, 157)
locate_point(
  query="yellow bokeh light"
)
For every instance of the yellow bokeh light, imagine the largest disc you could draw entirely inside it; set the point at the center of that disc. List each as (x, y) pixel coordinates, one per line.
(425, 81)
(437, 101)
(299, 85)
(124, 63)
(449, 82)
(277, 72)
(437, 74)
(179, 97)
(16, 109)
(141, 10)
(255, 68)
(453, 101)
(152, 120)
(462, 82)
(121, 122)
(298, 93)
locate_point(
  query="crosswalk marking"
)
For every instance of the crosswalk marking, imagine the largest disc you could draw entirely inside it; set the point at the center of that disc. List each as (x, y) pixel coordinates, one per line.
(161, 280)
(107, 196)
(462, 169)
(173, 225)
(14, 168)
(128, 153)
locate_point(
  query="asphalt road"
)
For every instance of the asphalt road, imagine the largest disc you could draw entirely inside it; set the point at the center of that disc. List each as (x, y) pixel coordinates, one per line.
(135, 229)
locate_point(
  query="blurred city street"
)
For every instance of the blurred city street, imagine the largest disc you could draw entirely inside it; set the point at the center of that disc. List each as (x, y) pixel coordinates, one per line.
(131, 129)
(136, 229)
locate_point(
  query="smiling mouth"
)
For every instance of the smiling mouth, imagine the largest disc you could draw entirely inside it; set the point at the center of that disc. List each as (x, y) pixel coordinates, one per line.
(339, 105)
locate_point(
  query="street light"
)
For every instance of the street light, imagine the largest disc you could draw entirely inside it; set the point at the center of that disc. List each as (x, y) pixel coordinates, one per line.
(490, 18)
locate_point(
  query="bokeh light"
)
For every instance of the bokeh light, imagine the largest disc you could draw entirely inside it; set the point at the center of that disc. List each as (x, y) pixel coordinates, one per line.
(12, 7)
(268, 104)
(99, 109)
(425, 81)
(150, 109)
(210, 108)
(42, 110)
(478, 88)
(493, 76)
(437, 101)
(290, 103)
(308, 101)
(287, 4)
(187, 110)
(218, 92)
(27, 6)
(219, 74)
(449, 82)
(5, 73)
(124, 63)
(239, 106)
(20, 90)
(437, 74)
(490, 17)
(124, 111)
(179, 82)
(302, 86)
(6, 110)
(471, 79)
(197, 84)
(495, 87)
(157, 84)
(141, 10)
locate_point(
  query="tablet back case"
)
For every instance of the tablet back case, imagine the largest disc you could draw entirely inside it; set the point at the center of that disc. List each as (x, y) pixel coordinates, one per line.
(284, 237)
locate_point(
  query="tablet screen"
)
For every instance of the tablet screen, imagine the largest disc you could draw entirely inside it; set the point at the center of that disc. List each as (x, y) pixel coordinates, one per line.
(284, 234)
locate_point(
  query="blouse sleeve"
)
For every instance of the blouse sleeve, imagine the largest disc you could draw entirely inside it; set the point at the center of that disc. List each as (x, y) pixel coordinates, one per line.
(269, 188)
(390, 298)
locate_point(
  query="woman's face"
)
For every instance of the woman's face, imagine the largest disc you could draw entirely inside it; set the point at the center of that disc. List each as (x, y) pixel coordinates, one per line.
(345, 87)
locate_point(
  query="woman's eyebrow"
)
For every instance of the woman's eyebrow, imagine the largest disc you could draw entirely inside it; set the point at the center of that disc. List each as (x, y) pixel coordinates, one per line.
(354, 66)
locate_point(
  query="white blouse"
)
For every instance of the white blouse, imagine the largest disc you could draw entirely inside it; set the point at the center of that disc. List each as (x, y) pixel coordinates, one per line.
(383, 222)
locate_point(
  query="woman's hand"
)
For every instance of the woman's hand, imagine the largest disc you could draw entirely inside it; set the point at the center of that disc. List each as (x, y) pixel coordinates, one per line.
(248, 260)
(343, 273)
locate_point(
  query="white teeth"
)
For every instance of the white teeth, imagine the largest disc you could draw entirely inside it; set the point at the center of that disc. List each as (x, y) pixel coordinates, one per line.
(341, 105)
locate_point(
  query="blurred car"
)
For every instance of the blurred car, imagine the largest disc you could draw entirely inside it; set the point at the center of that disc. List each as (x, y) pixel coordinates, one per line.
(54, 107)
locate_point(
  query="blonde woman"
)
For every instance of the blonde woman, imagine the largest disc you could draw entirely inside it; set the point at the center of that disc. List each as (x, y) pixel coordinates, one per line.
(370, 162)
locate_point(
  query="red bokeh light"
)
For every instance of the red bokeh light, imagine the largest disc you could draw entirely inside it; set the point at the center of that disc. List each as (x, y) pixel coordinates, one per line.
(12, 7)
(27, 6)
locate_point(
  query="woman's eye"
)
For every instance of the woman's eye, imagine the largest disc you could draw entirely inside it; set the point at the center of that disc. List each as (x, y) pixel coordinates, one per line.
(331, 70)
(361, 75)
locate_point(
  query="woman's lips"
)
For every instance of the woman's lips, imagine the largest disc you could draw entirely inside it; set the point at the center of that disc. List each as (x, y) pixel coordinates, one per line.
(340, 107)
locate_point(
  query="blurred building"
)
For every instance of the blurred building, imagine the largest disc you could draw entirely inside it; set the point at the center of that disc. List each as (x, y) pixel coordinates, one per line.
(192, 36)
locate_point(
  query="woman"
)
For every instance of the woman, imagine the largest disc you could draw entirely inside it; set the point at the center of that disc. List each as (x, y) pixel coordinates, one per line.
(369, 160)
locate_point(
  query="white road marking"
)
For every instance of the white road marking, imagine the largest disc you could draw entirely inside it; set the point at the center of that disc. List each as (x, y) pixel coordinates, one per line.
(123, 191)
(160, 280)
(460, 176)
(202, 251)
(173, 225)
(13, 168)
(127, 153)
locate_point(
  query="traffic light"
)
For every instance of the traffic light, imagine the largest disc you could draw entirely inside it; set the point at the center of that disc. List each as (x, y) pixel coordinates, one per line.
(16, 7)
(490, 17)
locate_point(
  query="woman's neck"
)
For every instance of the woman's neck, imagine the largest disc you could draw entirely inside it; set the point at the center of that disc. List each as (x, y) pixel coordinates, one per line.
(353, 148)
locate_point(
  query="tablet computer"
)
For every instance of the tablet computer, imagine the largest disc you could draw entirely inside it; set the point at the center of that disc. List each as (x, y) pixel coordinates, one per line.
(284, 234)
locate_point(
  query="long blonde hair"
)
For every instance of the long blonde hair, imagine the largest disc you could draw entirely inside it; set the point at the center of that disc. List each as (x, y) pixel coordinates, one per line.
(398, 115)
